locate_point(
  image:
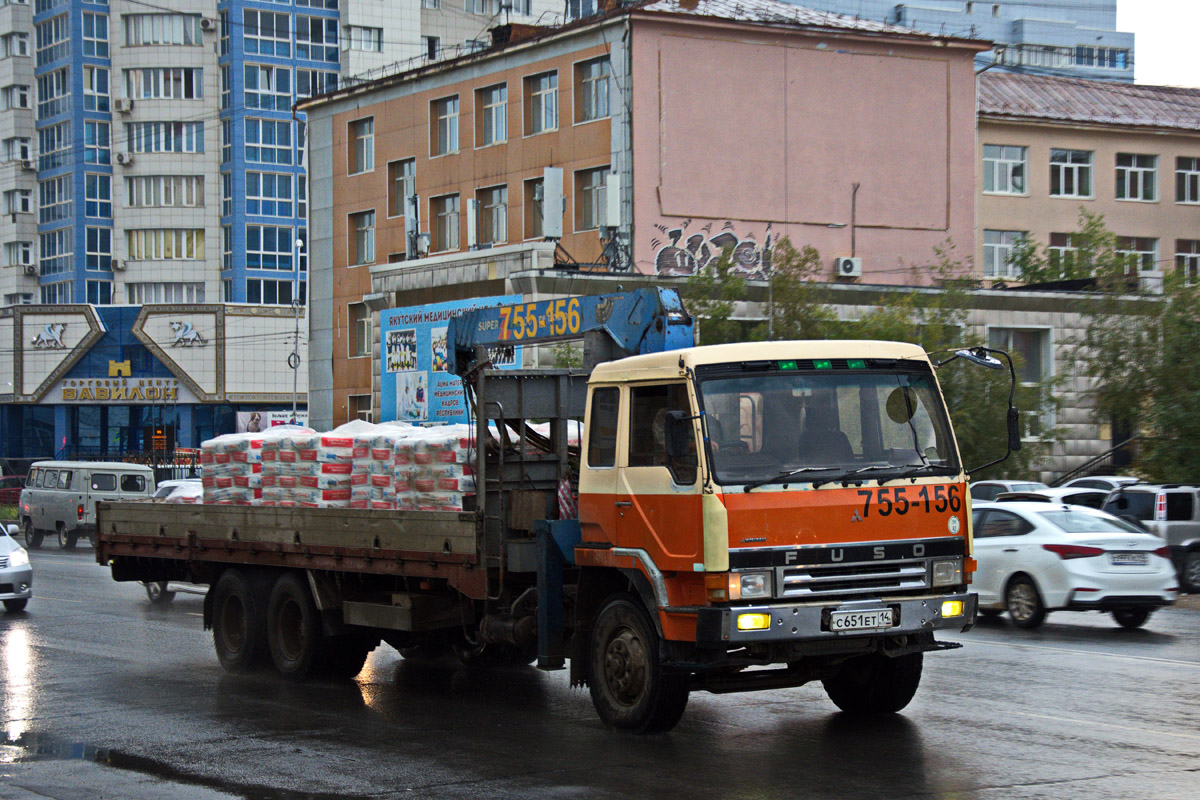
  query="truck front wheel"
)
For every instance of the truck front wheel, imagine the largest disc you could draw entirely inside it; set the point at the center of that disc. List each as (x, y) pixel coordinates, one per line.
(875, 684)
(294, 629)
(238, 623)
(630, 689)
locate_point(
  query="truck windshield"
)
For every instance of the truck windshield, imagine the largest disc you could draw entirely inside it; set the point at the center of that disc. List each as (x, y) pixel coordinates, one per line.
(821, 425)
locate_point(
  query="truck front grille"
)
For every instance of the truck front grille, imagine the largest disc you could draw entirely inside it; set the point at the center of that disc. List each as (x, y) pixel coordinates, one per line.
(907, 576)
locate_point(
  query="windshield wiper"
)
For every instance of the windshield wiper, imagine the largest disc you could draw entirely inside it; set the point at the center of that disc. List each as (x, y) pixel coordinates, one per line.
(932, 469)
(783, 476)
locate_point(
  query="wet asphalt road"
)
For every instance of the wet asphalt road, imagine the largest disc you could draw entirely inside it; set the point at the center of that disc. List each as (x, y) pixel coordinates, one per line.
(105, 696)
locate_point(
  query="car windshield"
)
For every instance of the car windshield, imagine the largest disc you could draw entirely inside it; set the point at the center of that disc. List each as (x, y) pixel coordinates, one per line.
(823, 422)
(1078, 521)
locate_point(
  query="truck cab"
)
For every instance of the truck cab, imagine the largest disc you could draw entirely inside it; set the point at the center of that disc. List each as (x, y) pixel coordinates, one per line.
(775, 501)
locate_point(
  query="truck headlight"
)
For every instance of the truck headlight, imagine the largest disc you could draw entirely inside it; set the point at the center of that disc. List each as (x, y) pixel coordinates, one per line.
(18, 558)
(749, 585)
(947, 572)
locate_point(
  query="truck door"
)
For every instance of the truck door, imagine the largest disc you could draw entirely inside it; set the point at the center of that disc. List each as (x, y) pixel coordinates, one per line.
(598, 472)
(658, 497)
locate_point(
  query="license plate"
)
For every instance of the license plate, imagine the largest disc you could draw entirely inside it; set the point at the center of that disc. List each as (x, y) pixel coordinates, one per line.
(860, 620)
(1129, 559)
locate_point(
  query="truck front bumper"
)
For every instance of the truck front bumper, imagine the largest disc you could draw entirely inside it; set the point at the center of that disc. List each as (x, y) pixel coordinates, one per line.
(792, 622)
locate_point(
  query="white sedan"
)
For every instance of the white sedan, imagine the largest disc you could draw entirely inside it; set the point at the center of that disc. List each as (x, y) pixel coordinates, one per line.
(1037, 557)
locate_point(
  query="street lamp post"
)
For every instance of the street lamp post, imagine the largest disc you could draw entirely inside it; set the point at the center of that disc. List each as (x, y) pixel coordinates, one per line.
(294, 358)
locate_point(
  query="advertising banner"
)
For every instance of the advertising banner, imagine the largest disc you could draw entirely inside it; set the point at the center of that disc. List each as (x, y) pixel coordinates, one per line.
(415, 385)
(260, 421)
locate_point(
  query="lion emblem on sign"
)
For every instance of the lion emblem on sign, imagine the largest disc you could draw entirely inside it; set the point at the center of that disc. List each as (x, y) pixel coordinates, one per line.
(186, 335)
(51, 337)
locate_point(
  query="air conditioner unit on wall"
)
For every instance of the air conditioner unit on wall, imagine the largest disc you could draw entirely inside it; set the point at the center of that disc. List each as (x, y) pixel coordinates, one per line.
(123, 105)
(847, 267)
(118, 265)
(125, 159)
(31, 269)
(207, 24)
(28, 164)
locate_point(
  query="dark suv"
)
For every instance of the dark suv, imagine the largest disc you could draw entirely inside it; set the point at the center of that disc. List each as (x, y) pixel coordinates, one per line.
(1171, 511)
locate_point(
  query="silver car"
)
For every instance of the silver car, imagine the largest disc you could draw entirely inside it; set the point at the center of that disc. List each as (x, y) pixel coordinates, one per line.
(16, 575)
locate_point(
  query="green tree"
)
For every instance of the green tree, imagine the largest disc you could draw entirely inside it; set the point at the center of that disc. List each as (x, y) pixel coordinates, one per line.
(1173, 453)
(712, 295)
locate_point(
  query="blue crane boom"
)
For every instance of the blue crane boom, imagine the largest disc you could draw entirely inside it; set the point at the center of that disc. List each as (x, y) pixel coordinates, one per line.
(635, 322)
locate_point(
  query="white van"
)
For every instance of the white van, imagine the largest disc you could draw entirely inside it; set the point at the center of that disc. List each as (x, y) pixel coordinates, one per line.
(60, 497)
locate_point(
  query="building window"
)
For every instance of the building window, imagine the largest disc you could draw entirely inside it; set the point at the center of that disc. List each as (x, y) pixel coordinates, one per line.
(491, 115)
(316, 39)
(54, 94)
(18, 254)
(1187, 180)
(165, 83)
(369, 40)
(18, 201)
(492, 210)
(99, 293)
(165, 191)
(269, 194)
(99, 249)
(1137, 177)
(267, 33)
(1033, 346)
(17, 149)
(444, 131)
(1004, 169)
(56, 293)
(362, 238)
(360, 330)
(362, 146)
(360, 407)
(54, 199)
(226, 141)
(432, 45)
(226, 194)
(302, 196)
(431, 3)
(268, 141)
(53, 40)
(1103, 57)
(312, 82)
(488, 7)
(97, 148)
(165, 137)
(95, 35)
(54, 146)
(142, 30)
(165, 244)
(541, 103)
(95, 89)
(534, 207)
(1140, 253)
(1187, 258)
(402, 184)
(1062, 252)
(97, 195)
(268, 88)
(143, 293)
(445, 213)
(55, 251)
(591, 89)
(269, 247)
(17, 96)
(999, 249)
(18, 299)
(273, 292)
(227, 254)
(589, 197)
(14, 44)
(1070, 173)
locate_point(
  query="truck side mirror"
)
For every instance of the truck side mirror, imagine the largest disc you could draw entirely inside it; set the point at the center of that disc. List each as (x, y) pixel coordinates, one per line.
(678, 434)
(1014, 430)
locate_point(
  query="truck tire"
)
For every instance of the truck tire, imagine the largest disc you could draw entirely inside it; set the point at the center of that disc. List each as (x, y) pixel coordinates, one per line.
(66, 539)
(157, 592)
(33, 537)
(1189, 571)
(238, 623)
(294, 629)
(630, 689)
(875, 684)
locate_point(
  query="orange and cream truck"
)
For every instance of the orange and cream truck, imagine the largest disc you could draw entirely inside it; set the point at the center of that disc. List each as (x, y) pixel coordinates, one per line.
(747, 516)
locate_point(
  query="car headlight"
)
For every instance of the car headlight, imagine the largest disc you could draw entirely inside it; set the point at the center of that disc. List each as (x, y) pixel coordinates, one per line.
(749, 585)
(18, 558)
(947, 572)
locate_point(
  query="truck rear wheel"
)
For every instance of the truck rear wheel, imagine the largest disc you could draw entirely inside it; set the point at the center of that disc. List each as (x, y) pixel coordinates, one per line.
(875, 684)
(33, 537)
(630, 688)
(66, 538)
(294, 629)
(238, 623)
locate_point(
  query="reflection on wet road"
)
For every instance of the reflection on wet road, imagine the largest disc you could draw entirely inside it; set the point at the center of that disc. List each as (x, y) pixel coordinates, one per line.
(100, 689)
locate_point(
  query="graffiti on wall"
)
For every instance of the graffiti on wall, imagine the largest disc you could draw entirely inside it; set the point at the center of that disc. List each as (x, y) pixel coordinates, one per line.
(685, 252)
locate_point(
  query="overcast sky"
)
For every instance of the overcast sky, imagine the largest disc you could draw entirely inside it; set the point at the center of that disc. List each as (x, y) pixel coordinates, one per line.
(1165, 48)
